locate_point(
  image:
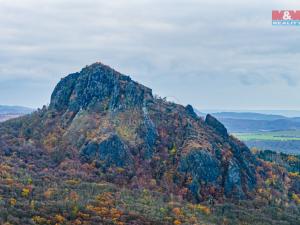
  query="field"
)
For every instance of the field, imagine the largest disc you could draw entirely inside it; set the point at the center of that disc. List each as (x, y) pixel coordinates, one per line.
(287, 135)
(287, 141)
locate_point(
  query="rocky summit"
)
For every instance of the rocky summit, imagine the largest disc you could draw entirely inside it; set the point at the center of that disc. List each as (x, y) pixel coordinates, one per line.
(116, 122)
(103, 127)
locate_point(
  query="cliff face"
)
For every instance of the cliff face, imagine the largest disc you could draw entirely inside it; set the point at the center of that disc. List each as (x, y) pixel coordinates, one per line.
(103, 118)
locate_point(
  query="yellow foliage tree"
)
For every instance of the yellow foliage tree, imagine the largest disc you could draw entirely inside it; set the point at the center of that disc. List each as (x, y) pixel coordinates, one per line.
(39, 220)
(25, 192)
(203, 209)
(59, 218)
(13, 202)
(177, 222)
(296, 198)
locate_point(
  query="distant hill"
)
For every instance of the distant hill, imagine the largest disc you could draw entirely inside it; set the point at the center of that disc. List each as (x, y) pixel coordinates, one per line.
(248, 116)
(4, 109)
(10, 112)
(264, 131)
(248, 125)
(239, 122)
(285, 113)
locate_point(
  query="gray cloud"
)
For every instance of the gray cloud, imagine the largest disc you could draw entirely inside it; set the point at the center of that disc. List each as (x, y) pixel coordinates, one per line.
(212, 54)
(290, 80)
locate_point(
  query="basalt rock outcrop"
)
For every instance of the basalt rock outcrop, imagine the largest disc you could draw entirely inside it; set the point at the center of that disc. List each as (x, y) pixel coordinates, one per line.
(98, 86)
(101, 117)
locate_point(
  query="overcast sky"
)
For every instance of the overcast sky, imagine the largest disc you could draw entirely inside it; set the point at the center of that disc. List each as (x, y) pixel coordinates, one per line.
(208, 53)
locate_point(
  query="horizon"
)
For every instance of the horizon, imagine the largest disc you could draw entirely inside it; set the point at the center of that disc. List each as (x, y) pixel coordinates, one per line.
(290, 113)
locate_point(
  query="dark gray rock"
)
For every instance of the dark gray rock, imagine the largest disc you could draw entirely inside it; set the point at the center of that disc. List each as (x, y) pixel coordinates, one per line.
(190, 110)
(195, 188)
(90, 151)
(246, 162)
(114, 152)
(216, 125)
(98, 84)
(201, 165)
(61, 95)
(8, 151)
(233, 183)
(203, 168)
(110, 152)
(149, 134)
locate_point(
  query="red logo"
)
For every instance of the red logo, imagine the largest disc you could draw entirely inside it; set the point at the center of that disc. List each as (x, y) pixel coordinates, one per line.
(286, 15)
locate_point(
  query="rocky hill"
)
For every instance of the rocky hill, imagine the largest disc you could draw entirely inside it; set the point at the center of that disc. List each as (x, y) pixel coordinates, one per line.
(6, 109)
(101, 126)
